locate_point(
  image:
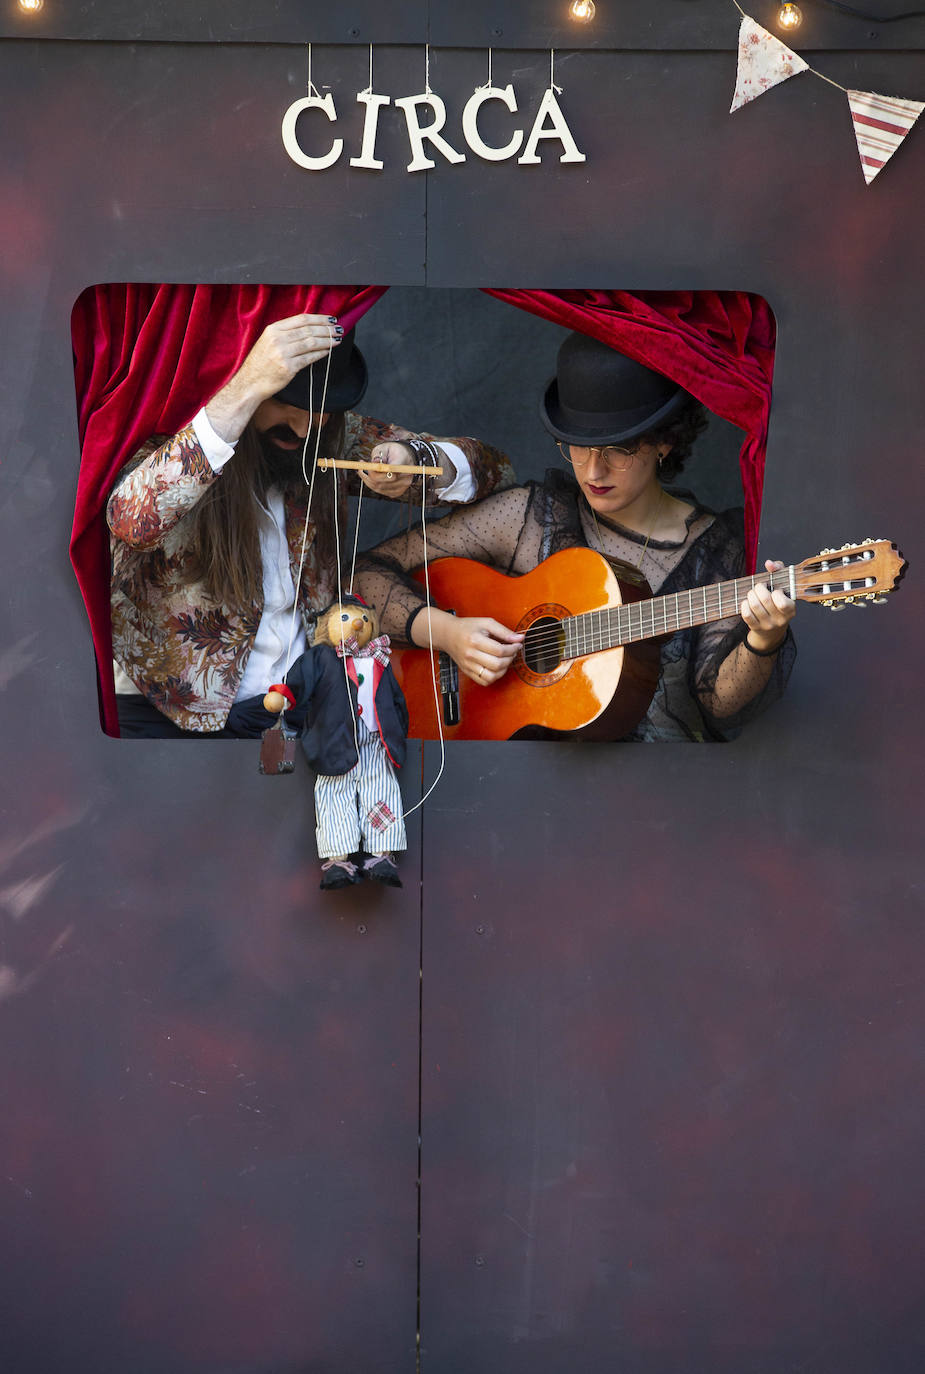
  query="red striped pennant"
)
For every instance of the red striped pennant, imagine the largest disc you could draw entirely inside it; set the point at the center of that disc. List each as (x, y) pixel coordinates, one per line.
(881, 123)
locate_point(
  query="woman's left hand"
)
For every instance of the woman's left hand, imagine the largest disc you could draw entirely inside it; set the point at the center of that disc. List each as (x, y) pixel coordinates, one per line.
(767, 614)
(392, 484)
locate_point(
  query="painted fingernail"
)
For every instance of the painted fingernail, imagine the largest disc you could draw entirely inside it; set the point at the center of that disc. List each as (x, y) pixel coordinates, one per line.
(332, 319)
(338, 330)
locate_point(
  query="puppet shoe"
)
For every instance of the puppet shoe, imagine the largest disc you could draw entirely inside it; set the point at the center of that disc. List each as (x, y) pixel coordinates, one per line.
(381, 868)
(338, 873)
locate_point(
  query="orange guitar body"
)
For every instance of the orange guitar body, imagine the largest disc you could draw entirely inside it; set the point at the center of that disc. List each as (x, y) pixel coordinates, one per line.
(601, 696)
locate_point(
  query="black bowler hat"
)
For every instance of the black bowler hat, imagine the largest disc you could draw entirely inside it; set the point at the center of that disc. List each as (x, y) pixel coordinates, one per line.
(599, 396)
(346, 381)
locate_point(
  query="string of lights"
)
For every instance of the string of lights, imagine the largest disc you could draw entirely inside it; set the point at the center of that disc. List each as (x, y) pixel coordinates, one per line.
(789, 16)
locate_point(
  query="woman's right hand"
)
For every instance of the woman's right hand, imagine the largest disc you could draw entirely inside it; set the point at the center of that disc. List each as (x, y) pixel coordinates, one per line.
(483, 648)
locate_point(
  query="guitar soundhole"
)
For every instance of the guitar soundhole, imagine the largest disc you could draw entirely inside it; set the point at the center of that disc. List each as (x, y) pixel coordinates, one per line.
(543, 645)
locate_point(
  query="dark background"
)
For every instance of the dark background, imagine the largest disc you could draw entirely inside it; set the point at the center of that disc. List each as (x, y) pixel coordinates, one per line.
(657, 1008)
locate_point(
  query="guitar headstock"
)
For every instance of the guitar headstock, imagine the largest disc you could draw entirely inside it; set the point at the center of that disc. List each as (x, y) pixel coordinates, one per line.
(855, 574)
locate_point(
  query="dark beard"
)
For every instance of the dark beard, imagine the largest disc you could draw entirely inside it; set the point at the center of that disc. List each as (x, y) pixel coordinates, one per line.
(282, 467)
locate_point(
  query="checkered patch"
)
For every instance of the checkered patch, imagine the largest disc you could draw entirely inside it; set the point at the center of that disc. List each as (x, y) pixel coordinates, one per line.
(380, 816)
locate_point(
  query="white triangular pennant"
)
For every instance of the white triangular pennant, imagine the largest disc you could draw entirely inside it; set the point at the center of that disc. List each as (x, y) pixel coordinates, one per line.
(881, 122)
(764, 61)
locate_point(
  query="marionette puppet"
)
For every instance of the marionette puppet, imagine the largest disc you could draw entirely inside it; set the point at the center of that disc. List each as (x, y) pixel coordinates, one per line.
(355, 738)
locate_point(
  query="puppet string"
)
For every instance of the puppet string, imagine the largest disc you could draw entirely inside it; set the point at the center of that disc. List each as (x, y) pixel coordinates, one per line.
(311, 490)
(343, 645)
(356, 537)
(433, 664)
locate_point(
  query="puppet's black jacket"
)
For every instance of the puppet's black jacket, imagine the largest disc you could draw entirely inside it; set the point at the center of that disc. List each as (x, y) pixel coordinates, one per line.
(320, 686)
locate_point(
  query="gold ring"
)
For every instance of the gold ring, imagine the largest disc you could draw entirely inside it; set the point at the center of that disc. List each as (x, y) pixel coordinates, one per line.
(390, 476)
(481, 671)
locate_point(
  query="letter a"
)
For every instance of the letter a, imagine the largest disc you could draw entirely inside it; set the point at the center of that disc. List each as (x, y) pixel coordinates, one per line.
(549, 108)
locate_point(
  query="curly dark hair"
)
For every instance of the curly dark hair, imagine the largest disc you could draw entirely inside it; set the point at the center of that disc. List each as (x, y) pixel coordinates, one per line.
(680, 432)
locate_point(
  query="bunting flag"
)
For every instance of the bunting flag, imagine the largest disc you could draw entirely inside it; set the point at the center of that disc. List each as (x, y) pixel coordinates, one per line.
(764, 61)
(880, 124)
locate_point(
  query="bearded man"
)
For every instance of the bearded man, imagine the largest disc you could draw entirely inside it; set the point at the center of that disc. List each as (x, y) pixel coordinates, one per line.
(212, 598)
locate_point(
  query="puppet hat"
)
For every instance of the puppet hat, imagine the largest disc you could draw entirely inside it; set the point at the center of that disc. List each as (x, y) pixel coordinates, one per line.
(346, 380)
(599, 396)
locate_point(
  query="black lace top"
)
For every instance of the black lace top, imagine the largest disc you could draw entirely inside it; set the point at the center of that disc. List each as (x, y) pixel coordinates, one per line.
(515, 530)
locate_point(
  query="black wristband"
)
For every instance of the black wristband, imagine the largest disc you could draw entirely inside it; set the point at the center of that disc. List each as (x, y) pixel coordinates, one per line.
(763, 653)
(410, 621)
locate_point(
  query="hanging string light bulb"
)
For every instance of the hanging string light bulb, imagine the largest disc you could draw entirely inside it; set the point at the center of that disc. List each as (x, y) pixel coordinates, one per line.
(789, 16)
(582, 11)
(31, 6)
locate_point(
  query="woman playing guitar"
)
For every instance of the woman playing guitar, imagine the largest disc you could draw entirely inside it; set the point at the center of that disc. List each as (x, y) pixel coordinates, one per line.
(624, 431)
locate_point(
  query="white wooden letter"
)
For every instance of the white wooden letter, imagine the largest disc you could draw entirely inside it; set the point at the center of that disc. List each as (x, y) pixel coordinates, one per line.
(367, 156)
(291, 143)
(471, 127)
(549, 109)
(416, 135)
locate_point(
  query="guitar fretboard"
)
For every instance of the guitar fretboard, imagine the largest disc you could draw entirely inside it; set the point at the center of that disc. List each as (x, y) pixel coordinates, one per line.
(663, 615)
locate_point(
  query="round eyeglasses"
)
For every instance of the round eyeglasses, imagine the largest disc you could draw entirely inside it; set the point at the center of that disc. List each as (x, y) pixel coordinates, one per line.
(614, 457)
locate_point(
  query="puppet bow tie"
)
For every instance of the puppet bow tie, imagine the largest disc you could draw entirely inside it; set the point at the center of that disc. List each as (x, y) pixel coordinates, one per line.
(380, 649)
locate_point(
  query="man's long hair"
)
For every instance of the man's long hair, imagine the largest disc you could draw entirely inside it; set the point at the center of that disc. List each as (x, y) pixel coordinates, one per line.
(224, 546)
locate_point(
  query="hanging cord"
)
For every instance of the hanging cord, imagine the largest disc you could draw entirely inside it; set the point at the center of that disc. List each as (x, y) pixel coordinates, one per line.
(433, 664)
(311, 490)
(343, 643)
(356, 538)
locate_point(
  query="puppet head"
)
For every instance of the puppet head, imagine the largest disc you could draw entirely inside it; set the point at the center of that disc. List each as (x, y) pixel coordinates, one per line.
(349, 618)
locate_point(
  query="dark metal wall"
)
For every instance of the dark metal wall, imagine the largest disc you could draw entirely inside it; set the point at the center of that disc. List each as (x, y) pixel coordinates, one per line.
(669, 1032)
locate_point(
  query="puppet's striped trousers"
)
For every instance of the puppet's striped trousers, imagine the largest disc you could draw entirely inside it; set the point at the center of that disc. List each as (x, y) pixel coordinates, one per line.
(361, 809)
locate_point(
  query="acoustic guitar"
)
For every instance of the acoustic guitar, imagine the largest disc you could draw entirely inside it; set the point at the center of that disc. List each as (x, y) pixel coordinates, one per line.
(590, 659)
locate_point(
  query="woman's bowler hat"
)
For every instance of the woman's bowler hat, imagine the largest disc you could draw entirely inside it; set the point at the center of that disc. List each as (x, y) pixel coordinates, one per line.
(599, 396)
(346, 381)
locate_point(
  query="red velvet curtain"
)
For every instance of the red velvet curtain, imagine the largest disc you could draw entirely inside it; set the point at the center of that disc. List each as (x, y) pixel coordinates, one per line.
(719, 345)
(146, 357)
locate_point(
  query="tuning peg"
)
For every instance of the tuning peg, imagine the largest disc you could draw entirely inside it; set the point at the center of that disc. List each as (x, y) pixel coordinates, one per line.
(877, 600)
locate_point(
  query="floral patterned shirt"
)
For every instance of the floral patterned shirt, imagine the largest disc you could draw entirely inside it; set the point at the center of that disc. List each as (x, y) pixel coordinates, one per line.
(184, 651)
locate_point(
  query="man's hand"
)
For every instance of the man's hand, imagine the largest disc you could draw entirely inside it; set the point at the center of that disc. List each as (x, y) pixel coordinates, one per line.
(392, 484)
(283, 349)
(767, 614)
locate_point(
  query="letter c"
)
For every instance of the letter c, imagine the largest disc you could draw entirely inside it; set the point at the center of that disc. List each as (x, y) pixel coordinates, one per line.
(291, 143)
(471, 129)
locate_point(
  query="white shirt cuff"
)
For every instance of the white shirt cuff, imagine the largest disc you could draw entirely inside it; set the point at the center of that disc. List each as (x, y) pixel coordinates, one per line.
(462, 488)
(215, 448)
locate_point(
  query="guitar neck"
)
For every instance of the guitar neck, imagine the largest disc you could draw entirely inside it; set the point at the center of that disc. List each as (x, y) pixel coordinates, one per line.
(664, 615)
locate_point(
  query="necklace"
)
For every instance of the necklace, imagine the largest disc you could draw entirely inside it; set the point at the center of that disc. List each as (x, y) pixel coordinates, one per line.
(653, 523)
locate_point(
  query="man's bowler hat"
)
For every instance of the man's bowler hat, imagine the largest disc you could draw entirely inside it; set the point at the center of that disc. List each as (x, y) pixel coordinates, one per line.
(599, 396)
(346, 381)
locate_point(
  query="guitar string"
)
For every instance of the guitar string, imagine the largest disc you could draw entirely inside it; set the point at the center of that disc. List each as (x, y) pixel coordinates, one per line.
(713, 595)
